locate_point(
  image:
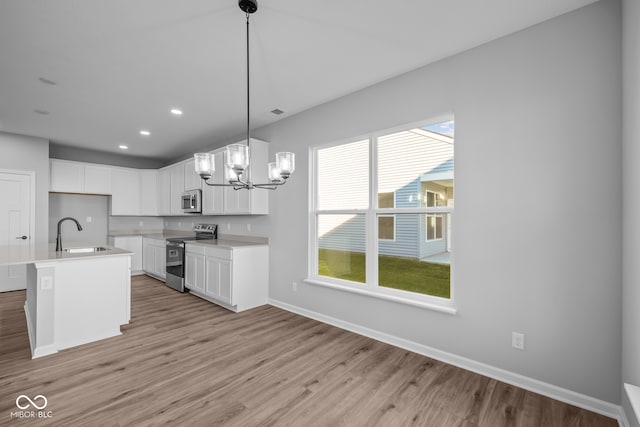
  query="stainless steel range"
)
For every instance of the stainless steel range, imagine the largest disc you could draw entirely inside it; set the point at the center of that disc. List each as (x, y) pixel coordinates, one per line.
(175, 254)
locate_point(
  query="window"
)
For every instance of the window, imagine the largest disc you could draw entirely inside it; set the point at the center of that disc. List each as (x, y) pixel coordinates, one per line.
(387, 223)
(381, 213)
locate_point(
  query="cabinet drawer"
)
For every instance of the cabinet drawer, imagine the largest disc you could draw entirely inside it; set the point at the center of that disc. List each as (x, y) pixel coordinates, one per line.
(222, 253)
(194, 249)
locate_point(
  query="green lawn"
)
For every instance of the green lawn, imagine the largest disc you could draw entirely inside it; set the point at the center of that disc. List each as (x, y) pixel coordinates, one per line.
(407, 274)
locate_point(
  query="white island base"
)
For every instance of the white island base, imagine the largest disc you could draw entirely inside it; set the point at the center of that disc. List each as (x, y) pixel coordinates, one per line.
(76, 301)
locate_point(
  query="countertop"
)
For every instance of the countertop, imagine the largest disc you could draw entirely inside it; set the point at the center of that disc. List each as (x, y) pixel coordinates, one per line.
(43, 252)
(226, 241)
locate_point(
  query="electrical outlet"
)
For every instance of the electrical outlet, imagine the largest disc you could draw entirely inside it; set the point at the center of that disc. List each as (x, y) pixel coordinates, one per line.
(517, 340)
(46, 283)
(294, 286)
(228, 226)
(248, 227)
(140, 223)
(89, 219)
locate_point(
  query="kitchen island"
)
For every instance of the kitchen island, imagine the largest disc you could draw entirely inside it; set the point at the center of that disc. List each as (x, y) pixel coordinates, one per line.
(73, 298)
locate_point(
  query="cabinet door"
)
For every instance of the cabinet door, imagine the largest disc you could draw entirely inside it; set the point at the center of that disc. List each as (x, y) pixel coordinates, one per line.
(135, 246)
(97, 179)
(126, 192)
(67, 177)
(164, 192)
(177, 188)
(192, 180)
(218, 279)
(148, 259)
(160, 260)
(194, 268)
(149, 192)
(212, 197)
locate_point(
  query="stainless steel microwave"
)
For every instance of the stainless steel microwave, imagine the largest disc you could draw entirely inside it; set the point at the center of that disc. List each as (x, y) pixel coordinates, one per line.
(191, 201)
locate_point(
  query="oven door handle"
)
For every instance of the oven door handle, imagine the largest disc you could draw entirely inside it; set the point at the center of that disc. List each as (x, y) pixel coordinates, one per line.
(174, 264)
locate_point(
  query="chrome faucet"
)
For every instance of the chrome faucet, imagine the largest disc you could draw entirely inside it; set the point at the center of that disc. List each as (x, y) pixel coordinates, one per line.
(59, 237)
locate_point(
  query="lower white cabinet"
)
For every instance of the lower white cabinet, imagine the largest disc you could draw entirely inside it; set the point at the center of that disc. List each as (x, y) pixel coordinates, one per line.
(154, 257)
(235, 278)
(132, 244)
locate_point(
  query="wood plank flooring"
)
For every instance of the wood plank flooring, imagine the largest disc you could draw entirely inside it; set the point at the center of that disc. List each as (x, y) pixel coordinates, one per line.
(183, 361)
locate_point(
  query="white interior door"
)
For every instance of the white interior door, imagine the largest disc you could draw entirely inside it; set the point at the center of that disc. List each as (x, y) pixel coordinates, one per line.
(15, 225)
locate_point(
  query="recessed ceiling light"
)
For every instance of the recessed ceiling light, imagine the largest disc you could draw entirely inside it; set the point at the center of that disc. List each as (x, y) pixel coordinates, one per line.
(42, 112)
(176, 112)
(123, 147)
(277, 111)
(145, 133)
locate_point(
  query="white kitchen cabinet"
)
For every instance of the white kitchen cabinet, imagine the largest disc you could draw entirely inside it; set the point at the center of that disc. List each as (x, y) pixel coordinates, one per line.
(177, 188)
(149, 192)
(66, 177)
(252, 202)
(125, 199)
(164, 191)
(235, 278)
(212, 197)
(78, 177)
(97, 179)
(192, 180)
(154, 257)
(132, 244)
(194, 271)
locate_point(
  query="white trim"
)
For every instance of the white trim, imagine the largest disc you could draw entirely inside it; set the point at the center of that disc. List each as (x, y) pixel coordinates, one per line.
(43, 350)
(633, 394)
(558, 393)
(448, 309)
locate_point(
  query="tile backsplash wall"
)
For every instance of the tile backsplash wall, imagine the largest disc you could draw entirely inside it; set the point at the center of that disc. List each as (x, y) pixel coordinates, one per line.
(247, 225)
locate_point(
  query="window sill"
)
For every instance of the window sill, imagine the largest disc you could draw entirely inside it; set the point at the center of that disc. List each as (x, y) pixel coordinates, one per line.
(415, 303)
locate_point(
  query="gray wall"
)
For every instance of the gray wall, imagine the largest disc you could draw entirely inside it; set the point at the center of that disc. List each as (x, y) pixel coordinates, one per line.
(18, 152)
(537, 110)
(81, 207)
(65, 152)
(631, 185)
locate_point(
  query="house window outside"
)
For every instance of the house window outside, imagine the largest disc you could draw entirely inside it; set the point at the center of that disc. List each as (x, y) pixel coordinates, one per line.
(387, 223)
(380, 213)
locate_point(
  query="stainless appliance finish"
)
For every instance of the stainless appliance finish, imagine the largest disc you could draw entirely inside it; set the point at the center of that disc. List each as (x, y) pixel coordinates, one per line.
(191, 201)
(175, 254)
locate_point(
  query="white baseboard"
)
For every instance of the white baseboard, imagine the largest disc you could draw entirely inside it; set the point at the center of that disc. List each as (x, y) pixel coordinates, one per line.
(558, 393)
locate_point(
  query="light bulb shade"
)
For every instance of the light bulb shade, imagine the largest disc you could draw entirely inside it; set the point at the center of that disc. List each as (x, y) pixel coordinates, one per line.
(204, 164)
(273, 171)
(286, 163)
(229, 174)
(238, 157)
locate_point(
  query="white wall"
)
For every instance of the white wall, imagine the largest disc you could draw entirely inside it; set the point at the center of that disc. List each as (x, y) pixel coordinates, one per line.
(18, 152)
(534, 111)
(631, 206)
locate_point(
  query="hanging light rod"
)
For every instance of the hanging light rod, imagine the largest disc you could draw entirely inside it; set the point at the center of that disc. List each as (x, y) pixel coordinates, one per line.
(237, 155)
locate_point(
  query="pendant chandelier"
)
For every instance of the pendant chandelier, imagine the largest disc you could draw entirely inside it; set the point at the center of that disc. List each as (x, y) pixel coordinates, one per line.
(237, 155)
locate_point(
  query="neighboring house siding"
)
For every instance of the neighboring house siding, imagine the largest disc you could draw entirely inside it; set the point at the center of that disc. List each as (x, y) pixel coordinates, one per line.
(406, 241)
(347, 235)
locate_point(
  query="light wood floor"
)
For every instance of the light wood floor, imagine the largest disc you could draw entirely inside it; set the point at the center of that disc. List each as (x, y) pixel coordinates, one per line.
(186, 362)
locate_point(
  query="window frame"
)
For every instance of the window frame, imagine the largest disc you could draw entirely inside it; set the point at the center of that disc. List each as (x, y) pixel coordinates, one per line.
(371, 287)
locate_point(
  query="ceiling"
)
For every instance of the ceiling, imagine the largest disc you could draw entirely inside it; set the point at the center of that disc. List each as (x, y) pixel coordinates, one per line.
(119, 66)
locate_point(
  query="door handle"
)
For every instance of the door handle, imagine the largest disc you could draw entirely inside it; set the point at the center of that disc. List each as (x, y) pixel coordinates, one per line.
(22, 237)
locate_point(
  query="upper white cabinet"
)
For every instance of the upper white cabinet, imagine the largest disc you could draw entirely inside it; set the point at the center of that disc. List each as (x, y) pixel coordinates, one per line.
(149, 192)
(212, 197)
(77, 177)
(177, 188)
(158, 192)
(164, 191)
(126, 192)
(226, 200)
(192, 180)
(97, 179)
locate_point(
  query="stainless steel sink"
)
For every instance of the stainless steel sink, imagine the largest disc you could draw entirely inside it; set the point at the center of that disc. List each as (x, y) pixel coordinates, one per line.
(86, 250)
